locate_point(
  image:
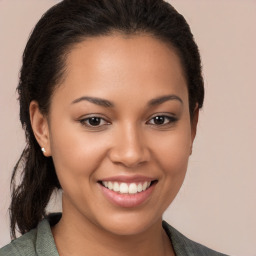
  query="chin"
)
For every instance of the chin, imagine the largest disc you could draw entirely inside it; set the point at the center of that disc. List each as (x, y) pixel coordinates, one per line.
(129, 225)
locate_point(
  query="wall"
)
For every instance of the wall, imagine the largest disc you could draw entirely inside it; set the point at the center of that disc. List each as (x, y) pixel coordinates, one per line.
(217, 203)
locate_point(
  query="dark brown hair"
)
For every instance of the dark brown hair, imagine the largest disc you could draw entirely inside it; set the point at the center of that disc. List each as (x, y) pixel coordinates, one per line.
(62, 26)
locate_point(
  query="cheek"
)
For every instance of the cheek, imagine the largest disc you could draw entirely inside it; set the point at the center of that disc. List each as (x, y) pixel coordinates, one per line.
(173, 151)
(173, 161)
(76, 155)
(172, 155)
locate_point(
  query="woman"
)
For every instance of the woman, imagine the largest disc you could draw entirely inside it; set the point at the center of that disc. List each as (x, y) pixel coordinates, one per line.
(110, 92)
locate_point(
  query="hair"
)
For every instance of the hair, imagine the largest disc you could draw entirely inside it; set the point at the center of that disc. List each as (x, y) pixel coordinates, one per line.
(61, 27)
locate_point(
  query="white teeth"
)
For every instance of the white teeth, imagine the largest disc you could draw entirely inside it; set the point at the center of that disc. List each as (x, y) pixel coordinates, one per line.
(144, 186)
(116, 187)
(125, 188)
(110, 185)
(133, 189)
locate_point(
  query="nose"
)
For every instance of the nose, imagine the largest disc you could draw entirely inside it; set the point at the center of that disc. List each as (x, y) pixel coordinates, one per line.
(129, 147)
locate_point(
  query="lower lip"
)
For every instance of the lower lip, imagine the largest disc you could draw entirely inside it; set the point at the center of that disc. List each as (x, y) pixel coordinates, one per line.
(127, 200)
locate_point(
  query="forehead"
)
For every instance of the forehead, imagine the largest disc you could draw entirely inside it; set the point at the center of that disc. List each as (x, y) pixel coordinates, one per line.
(116, 64)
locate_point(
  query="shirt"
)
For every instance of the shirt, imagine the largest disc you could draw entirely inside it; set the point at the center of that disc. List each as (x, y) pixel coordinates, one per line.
(40, 242)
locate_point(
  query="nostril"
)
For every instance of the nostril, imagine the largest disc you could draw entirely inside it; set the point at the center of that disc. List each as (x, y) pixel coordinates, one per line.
(129, 158)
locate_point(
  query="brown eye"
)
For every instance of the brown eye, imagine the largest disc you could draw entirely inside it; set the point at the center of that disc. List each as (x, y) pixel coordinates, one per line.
(159, 120)
(93, 121)
(162, 120)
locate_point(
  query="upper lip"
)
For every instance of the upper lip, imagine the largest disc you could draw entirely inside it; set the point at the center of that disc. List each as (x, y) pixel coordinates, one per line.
(128, 179)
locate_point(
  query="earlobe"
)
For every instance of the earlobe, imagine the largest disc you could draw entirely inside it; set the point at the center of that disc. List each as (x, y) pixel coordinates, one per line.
(40, 128)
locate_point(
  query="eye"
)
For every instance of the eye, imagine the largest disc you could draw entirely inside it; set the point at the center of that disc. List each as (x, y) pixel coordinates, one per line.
(161, 120)
(93, 121)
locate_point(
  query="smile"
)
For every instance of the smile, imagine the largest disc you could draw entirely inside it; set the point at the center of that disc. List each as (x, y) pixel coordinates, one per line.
(127, 192)
(126, 188)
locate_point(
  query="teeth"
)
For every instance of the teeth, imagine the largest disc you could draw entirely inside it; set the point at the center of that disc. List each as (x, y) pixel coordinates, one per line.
(133, 189)
(110, 185)
(139, 188)
(116, 187)
(125, 188)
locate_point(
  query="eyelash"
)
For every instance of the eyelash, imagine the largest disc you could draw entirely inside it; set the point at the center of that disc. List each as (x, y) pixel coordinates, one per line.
(168, 120)
(85, 121)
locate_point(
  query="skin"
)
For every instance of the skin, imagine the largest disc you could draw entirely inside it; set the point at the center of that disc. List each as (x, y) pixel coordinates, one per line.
(128, 71)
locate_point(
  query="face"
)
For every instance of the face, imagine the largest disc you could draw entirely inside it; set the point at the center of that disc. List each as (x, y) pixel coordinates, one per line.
(120, 132)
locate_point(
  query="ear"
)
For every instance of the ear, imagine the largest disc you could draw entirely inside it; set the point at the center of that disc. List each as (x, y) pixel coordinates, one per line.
(194, 122)
(40, 127)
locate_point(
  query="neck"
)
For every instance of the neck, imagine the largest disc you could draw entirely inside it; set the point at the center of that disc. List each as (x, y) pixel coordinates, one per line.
(76, 235)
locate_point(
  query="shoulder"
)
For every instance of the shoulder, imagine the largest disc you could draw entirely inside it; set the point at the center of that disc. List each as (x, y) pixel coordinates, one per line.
(184, 246)
(24, 245)
(37, 242)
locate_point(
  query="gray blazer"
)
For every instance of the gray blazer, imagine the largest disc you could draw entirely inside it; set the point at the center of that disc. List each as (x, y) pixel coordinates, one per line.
(40, 242)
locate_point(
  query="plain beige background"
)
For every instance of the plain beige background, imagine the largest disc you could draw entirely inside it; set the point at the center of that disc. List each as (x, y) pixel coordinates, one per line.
(217, 203)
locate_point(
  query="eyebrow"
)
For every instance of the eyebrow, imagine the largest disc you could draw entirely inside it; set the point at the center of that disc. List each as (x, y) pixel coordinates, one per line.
(107, 103)
(97, 101)
(162, 99)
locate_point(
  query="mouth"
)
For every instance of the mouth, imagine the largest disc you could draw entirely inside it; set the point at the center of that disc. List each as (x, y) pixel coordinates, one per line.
(128, 192)
(131, 188)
